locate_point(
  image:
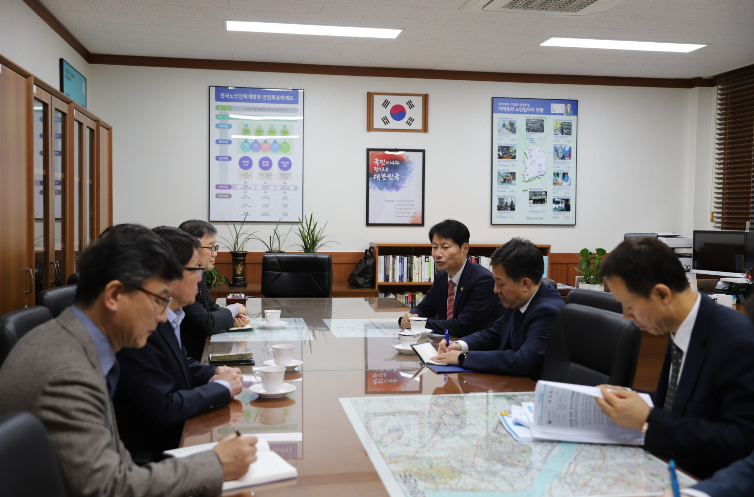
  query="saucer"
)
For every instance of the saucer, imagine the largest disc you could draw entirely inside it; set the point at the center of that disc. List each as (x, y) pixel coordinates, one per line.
(404, 349)
(279, 324)
(291, 367)
(424, 332)
(284, 390)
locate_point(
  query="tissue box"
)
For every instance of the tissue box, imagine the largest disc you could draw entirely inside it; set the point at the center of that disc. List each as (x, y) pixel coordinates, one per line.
(236, 298)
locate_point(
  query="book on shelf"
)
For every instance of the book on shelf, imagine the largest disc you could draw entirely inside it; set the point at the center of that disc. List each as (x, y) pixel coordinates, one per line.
(409, 299)
(405, 269)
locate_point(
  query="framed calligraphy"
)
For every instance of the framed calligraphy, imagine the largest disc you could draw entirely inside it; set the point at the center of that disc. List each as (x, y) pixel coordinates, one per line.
(395, 187)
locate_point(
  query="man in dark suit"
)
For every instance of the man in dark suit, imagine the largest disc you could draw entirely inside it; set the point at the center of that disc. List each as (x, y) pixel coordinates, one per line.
(161, 387)
(204, 317)
(65, 372)
(516, 343)
(703, 415)
(461, 299)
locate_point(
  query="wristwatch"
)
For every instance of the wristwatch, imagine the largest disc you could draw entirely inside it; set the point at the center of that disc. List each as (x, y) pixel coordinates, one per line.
(462, 358)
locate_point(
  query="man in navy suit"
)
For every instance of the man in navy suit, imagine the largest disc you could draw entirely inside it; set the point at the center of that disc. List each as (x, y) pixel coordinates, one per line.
(703, 415)
(516, 343)
(161, 387)
(461, 299)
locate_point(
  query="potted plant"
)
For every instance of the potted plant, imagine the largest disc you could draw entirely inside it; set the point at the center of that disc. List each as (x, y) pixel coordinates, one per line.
(236, 246)
(276, 241)
(311, 235)
(589, 268)
(214, 278)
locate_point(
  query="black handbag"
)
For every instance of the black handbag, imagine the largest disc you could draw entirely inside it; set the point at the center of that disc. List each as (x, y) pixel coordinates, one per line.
(363, 274)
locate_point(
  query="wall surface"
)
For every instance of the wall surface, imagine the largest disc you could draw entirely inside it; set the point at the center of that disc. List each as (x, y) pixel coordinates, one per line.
(637, 168)
(29, 42)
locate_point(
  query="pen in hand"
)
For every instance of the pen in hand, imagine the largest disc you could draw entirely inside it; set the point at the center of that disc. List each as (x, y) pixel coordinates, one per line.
(674, 479)
(447, 339)
(238, 433)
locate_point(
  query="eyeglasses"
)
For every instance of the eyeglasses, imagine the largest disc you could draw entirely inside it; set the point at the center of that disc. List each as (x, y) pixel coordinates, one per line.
(198, 268)
(161, 302)
(212, 249)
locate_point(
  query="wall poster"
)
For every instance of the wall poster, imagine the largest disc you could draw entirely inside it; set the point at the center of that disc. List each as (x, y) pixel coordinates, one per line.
(256, 154)
(534, 161)
(395, 187)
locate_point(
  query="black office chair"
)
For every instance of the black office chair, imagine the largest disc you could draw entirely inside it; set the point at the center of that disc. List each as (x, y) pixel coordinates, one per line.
(58, 299)
(297, 275)
(598, 300)
(591, 346)
(28, 465)
(16, 324)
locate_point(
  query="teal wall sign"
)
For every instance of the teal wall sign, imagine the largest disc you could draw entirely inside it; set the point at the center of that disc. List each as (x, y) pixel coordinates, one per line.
(72, 83)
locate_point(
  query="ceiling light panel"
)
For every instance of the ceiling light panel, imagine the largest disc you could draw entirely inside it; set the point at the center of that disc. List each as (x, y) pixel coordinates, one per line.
(645, 46)
(310, 29)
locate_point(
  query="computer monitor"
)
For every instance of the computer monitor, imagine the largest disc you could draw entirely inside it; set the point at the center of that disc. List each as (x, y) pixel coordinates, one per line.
(722, 253)
(639, 235)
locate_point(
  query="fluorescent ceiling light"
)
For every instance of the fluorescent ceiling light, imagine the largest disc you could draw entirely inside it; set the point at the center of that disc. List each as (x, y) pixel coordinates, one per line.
(310, 29)
(647, 46)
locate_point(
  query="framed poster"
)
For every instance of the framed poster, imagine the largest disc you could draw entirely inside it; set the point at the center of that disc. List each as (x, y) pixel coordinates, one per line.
(395, 187)
(72, 83)
(534, 161)
(256, 154)
(406, 112)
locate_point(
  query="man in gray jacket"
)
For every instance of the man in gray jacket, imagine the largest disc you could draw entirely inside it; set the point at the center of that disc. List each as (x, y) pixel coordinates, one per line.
(65, 373)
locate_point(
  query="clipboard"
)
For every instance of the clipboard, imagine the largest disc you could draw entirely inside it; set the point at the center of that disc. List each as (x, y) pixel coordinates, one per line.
(425, 351)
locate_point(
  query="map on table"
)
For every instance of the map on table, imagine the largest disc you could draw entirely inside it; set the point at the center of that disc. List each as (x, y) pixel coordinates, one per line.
(454, 445)
(360, 328)
(295, 329)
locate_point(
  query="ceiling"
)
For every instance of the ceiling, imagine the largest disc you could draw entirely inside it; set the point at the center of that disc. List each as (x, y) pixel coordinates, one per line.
(437, 34)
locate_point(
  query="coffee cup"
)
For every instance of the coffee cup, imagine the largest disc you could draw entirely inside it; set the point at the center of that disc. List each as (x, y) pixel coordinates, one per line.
(407, 337)
(272, 316)
(418, 324)
(282, 354)
(271, 377)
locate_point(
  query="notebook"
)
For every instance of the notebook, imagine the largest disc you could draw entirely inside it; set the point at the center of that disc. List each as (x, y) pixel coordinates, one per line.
(268, 468)
(426, 351)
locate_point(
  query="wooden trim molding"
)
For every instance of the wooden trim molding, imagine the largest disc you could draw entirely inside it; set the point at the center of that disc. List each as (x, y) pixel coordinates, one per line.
(58, 27)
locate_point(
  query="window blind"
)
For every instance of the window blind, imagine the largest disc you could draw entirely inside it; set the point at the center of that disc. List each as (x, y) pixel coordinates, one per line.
(734, 150)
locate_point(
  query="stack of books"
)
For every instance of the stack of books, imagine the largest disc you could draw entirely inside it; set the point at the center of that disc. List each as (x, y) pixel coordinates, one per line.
(405, 269)
(482, 261)
(409, 299)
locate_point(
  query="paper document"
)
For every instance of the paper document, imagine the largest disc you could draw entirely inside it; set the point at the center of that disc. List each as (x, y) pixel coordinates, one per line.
(569, 413)
(269, 466)
(426, 351)
(519, 421)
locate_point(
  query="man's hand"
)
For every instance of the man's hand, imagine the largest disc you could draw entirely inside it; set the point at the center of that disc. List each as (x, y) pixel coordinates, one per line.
(623, 406)
(453, 346)
(232, 376)
(240, 321)
(242, 310)
(450, 358)
(405, 323)
(236, 455)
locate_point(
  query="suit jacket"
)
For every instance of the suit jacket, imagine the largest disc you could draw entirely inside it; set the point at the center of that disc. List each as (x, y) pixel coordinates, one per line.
(711, 423)
(159, 389)
(203, 318)
(737, 480)
(54, 372)
(475, 307)
(516, 344)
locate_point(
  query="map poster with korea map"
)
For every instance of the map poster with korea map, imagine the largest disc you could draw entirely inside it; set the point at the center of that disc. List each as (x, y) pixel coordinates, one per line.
(534, 161)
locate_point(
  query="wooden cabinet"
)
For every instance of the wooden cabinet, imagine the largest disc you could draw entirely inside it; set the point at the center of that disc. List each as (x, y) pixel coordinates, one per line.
(56, 187)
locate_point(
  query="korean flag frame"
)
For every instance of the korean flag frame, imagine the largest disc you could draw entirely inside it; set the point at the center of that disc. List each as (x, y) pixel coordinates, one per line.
(410, 112)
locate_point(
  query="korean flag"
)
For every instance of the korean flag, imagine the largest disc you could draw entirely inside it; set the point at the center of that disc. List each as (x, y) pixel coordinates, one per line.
(397, 112)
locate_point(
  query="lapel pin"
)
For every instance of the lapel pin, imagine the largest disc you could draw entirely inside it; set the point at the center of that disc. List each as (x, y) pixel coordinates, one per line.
(461, 288)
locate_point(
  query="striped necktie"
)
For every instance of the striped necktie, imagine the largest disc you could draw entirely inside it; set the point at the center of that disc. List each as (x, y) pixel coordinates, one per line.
(451, 299)
(676, 356)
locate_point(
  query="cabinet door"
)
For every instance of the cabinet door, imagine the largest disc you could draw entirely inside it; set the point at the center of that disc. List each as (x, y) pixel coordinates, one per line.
(16, 198)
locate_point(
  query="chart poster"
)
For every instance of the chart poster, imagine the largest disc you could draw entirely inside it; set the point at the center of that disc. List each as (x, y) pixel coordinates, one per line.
(534, 161)
(256, 154)
(395, 187)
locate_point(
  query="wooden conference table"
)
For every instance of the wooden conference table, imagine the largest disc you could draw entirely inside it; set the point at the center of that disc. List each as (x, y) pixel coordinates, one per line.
(314, 433)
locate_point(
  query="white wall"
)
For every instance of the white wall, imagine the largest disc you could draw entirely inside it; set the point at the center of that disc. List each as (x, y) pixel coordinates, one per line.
(29, 42)
(637, 167)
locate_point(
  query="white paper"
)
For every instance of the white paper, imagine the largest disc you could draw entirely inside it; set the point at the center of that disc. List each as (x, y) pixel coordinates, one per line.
(426, 351)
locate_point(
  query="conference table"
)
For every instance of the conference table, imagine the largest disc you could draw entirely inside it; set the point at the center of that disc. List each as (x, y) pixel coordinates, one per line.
(310, 427)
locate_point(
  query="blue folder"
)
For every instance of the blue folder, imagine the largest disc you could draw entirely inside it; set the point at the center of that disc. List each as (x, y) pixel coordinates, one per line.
(447, 369)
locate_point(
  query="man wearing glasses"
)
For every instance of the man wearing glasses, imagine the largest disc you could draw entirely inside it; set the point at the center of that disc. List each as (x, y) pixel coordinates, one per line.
(65, 372)
(160, 387)
(204, 317)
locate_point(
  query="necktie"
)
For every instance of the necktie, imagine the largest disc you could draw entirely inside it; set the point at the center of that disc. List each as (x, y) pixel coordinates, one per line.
(676, 356)
(201, 297)
(451, 299)
(518, 316)
(112, 379)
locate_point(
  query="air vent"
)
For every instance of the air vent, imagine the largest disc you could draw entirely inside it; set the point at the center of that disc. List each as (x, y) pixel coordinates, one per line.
(561, 8)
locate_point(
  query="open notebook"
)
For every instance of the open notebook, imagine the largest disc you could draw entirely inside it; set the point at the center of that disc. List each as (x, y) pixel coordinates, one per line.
(268, 468)
(426, 350)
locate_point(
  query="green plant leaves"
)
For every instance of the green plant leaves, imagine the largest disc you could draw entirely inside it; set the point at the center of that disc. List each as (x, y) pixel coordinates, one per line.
(240, 237)
(312, 236)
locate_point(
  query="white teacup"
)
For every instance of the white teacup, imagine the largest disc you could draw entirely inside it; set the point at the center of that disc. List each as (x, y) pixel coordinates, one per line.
(272, 316)
(407, 337)
(282, 354)
(272, 377)
(418, 324)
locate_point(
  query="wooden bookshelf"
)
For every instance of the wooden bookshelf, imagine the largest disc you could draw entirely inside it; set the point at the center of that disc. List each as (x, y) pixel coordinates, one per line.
(423, 249)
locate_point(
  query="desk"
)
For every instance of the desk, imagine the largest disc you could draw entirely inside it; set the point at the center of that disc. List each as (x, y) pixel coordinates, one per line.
(311, 427)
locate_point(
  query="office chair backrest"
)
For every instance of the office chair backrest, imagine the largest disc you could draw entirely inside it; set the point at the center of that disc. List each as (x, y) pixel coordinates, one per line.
(591, 346)
(548, 281)
(28, 465)
(58, 299)
(591, 298)
(297, 275)
(16, 324)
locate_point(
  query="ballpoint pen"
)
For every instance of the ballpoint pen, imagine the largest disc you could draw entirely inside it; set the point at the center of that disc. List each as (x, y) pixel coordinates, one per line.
(674, 479)
(238, 433)
(447, 339)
